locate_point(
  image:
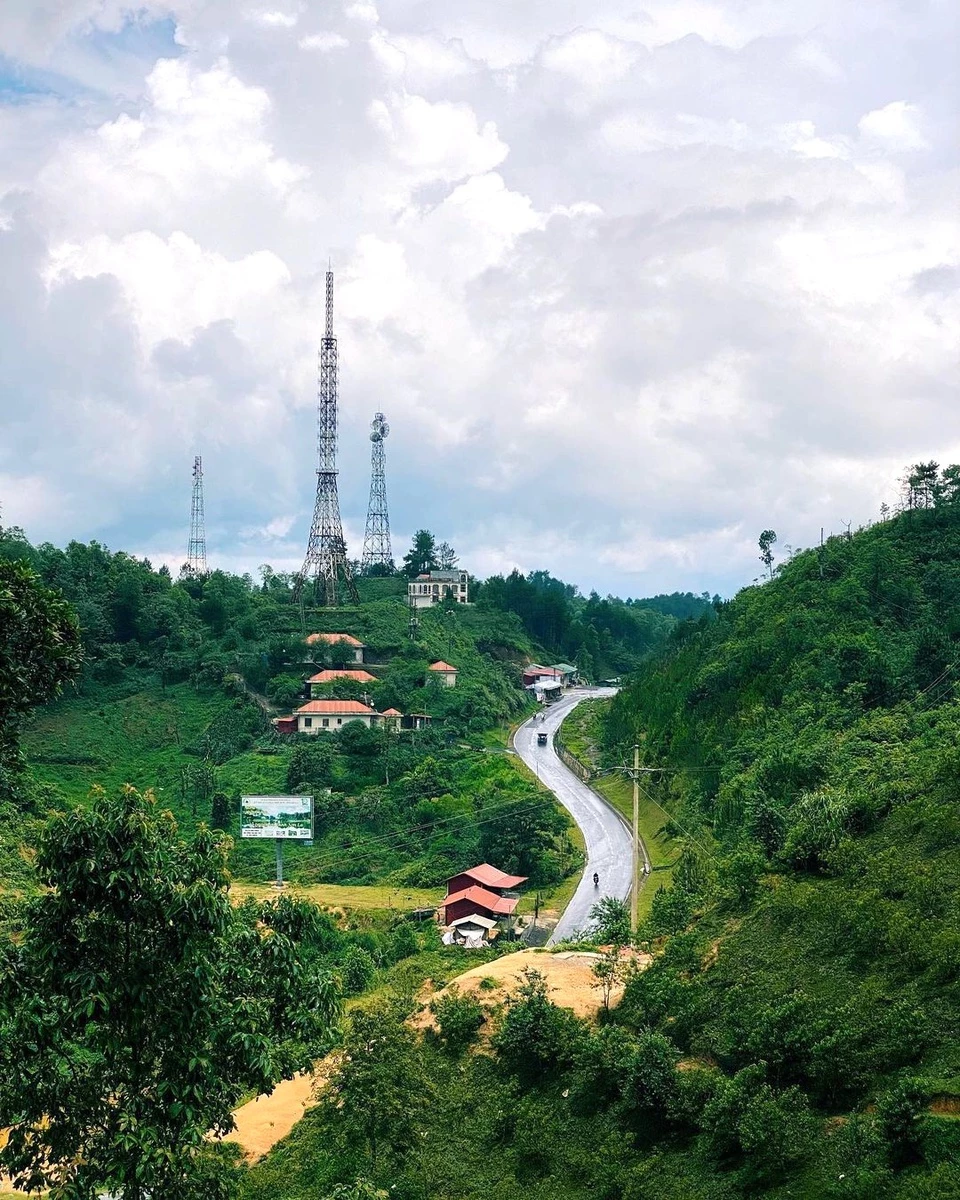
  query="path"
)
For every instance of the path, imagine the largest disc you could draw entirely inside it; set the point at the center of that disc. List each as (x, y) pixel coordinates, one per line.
(606, 834)
(265, 1121)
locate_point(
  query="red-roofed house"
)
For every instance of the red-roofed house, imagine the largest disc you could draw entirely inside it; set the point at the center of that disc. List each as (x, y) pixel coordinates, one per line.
(327, 716)
(352, 647)
(477, 900)
(535, 674)
(285, 724)
(392, 717)
(486, 876)
(444, 671)
(322, 678)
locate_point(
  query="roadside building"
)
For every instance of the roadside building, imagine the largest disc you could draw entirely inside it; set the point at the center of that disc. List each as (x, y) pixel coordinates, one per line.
(480, 902)
(416, 721)
(568, 673)
(534, 674)
(325, 678)
(486, 876)
(351, 648)
(327, 716)
(433, 587)
(445, 672)
(285, 724)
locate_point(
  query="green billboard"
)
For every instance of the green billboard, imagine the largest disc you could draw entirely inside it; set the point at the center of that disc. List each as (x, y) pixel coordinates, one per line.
(276, 817)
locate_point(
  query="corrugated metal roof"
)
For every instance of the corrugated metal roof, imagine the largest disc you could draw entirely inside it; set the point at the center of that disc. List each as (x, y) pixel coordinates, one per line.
(483, 899)
(345, 673)
(331, 638)
(475, 919)
(493, 876)
(336, 707)
(442, 666)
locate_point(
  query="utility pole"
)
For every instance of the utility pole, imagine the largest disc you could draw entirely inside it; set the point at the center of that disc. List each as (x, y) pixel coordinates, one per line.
(635, 885)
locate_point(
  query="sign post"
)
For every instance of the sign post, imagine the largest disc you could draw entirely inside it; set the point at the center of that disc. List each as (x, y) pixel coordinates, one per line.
(282, 818)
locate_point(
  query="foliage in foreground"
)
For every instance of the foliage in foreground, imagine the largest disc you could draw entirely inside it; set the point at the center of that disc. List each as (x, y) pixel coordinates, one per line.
(137, 1005)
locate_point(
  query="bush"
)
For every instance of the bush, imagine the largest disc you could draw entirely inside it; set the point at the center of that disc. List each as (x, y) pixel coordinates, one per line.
(459, 1018)
(357, 970)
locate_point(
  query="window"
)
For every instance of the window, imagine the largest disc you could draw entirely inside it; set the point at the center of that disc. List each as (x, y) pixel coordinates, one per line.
(326, 723)
(308, 722)
(339, 720)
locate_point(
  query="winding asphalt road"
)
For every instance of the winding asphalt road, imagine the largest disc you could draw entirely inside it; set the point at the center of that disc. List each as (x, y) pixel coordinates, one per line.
(605, 832)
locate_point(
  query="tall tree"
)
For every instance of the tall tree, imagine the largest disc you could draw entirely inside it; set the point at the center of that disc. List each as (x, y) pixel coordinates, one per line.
(447, 557)
(767, 540)
(39, 653)
(422, 555)
(137, 1008)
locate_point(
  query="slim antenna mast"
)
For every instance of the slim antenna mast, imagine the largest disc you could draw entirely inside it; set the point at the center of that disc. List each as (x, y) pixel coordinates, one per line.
(376, 539)
(326, 559)
(197, 545)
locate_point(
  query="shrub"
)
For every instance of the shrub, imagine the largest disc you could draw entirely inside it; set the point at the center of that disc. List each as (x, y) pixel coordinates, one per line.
(459, 1018)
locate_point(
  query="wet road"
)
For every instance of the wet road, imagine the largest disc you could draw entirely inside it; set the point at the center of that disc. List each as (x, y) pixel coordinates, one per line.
(606, 834)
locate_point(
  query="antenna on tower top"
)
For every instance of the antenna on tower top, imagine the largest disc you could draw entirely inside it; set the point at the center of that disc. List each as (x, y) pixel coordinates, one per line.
(326, 559)
(197, 545)
(377, 553)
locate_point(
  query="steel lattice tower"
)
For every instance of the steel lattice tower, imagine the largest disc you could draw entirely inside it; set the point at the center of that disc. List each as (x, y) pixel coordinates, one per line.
(326, 560)
(377, 551)
(197, 545)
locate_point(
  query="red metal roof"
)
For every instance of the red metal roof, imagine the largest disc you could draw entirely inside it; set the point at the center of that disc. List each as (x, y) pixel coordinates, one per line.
(488, 900)
(330, 676)
(442, 666)
(336, 706)
(493, 876)
(391, 712)
(332, 638)
(535, 670)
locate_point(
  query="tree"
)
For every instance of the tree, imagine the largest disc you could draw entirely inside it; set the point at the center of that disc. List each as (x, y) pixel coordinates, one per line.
(422, 555)
(447, 557)
(611, 920)
(767, 540)
(220, 812)
(459, 1017)
(536, 1037)
(610, 970)
(39, 653)
(380, 1091)
(139, 1006)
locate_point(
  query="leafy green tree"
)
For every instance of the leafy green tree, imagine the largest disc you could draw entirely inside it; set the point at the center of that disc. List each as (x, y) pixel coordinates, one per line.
(447, 557)
(285, 689)
(536, 1038)
(380, 1092)
(767, 540)
(422, 555)
(611, 920)
(459, 1017)
(39, 653)
(138, 1007)
(220, 812)
(357, 970)
(900, 1113)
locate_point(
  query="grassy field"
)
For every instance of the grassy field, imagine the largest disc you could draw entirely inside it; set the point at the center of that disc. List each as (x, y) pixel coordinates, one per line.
(333, 895)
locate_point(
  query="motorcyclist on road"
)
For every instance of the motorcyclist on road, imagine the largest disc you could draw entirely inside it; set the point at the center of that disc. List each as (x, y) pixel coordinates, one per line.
(596, 879)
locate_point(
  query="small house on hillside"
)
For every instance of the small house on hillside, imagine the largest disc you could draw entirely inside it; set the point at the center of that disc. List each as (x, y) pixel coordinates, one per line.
(324, 678)
(477, 901)
(534, 674)
(486, 876)
(392, 718)
(568, 673)
(433, 587)
(327, 716)
(445, 672)
(351, 648)
(285, 724)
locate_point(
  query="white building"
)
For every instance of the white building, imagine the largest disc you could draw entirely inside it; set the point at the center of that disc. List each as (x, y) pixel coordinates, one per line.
(327, 716)
(352, 647)
(444, 671)
(436, 586)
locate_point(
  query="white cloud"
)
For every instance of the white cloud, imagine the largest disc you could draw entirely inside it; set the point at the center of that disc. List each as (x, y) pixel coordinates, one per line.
(897, 125)
(673, 270)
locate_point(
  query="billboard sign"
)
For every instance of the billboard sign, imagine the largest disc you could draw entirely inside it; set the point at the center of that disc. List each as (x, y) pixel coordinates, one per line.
(286, 817)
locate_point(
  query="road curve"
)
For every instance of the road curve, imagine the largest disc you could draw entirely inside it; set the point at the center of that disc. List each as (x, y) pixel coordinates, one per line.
(605, 832)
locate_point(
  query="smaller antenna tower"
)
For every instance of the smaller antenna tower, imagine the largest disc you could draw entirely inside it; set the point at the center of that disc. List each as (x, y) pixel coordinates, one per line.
(197, 546)
(377, 551)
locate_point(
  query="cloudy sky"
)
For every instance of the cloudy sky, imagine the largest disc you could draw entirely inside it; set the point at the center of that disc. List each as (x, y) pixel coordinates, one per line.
(632, 279)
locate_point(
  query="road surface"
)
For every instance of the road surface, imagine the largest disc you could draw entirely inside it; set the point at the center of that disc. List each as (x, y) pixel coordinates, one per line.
(605, 832)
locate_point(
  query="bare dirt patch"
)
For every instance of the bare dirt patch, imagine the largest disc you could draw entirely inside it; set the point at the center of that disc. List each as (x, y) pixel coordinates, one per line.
(571, 982)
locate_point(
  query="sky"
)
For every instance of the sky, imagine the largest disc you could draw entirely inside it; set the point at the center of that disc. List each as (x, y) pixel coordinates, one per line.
(631, 281)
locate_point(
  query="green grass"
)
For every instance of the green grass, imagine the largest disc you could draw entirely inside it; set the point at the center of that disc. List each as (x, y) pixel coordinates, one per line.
(348, 896)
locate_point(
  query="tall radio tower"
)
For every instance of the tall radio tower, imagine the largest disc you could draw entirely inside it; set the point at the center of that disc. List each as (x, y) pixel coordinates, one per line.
(376, 538)
(326, 561)
(197, 545)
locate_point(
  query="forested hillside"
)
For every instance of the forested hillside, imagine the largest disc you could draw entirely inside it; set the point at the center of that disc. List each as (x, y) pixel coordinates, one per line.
(808, 745)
